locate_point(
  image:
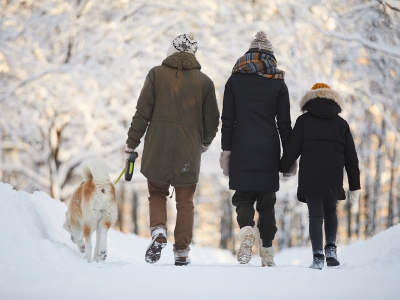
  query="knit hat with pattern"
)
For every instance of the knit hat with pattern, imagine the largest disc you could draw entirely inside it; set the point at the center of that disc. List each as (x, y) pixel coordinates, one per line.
(320, 85)
(183, 43)
(261, 42)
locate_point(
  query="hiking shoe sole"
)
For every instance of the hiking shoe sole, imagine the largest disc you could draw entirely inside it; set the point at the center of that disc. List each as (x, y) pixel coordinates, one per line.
(244, 253)
(153, 252)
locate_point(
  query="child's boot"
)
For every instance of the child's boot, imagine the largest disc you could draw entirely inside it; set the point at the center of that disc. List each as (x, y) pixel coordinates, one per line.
(247, 239)
(267, 256)
(318, 262)
(331, 256)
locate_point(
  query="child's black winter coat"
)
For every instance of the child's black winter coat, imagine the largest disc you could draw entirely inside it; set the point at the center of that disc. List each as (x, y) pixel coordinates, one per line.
(324, 141)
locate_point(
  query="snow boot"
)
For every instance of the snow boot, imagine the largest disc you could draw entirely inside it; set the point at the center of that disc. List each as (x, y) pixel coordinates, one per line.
(318, 262)
(158, 242)
(331, 256)
(247, 239)
(182, 257)
(267, 256)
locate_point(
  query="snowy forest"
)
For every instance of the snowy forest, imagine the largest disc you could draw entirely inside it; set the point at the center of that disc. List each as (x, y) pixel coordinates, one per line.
(71, 73)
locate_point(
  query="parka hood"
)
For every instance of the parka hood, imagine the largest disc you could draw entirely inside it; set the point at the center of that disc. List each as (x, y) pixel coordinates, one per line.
(180, 60)
(323, 103)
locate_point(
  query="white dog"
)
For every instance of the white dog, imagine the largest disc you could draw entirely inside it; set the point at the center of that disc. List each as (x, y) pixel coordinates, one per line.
(93, 207)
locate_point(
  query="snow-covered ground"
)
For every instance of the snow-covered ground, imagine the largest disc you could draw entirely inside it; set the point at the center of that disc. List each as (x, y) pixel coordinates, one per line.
(38, 261)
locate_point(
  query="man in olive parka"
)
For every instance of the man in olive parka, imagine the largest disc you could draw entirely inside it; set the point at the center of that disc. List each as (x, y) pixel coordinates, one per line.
(178, 108)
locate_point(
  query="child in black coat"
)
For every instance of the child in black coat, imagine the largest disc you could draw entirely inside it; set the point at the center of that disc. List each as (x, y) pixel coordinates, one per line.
(324, 141)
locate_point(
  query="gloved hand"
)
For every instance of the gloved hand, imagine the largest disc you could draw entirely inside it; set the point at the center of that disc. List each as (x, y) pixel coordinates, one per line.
(224, 162)
(128, 151)
(292, 171)
(204, 148)
(354, 196)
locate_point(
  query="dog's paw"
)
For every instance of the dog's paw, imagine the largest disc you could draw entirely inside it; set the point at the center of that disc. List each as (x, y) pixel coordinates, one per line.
(103, 255)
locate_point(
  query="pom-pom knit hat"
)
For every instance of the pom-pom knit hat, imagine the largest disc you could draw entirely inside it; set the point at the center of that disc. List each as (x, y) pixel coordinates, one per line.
(261, 42)
(186, 43)
(320, 85)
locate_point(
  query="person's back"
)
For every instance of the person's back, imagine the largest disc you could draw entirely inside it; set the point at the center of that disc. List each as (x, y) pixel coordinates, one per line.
(178, 108)
(256, 107)
(324, 141)
(260, 106)
(184, 117)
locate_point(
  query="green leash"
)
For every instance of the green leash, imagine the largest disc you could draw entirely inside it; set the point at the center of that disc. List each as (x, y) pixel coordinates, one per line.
(120, 175)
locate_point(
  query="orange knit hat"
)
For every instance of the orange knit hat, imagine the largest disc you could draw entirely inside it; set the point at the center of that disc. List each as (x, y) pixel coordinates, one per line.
(320, 85)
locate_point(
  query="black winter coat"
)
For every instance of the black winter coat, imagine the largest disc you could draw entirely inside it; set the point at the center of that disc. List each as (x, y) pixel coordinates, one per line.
(324, 141)
(255, 108)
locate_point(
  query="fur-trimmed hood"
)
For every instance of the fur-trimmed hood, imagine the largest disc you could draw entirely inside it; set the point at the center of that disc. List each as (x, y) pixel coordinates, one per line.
(321, 93)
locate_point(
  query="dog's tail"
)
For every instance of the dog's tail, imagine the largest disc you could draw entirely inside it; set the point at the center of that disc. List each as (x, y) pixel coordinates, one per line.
(95, 168)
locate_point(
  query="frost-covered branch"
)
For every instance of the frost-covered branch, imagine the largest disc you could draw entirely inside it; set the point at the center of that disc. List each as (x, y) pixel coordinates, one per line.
(27, 172)
(389, 50)
(357, 8)
(393, 4)
(30, 79)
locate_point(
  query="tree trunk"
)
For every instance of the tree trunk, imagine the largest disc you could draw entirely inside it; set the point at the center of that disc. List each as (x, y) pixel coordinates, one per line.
(135, 207)
(226, 220)
(392, 190)
(120, 207)
(348, 218)
(55, 191)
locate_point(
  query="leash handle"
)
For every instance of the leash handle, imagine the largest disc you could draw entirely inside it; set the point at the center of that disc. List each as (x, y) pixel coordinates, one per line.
(130, 164)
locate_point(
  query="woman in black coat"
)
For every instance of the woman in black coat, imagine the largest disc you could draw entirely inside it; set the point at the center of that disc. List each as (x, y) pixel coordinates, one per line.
(324, 141)
(255, 121)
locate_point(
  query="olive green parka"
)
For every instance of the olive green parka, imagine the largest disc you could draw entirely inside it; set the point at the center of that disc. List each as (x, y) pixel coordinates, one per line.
(178, 107)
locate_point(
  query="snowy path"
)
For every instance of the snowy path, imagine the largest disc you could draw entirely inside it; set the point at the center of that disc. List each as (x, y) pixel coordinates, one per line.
(38, 261)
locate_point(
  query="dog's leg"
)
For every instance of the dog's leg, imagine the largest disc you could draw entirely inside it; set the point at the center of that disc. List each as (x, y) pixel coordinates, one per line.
(103, 226)
(96, 249)
(77, 236)
(87, 232)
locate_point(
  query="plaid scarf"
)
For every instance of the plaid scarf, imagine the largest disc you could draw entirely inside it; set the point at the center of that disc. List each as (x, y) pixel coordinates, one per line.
(260, 63)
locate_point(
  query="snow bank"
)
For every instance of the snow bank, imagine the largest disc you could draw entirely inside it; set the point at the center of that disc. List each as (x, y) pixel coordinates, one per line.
(39, 261)
(29, 221)
(382, 250)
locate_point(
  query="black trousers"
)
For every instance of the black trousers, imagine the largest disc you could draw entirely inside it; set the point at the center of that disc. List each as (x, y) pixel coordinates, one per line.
(244, 203)
(321, 209)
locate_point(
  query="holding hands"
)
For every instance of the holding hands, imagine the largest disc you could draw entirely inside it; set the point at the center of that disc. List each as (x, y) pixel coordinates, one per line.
(292, 172)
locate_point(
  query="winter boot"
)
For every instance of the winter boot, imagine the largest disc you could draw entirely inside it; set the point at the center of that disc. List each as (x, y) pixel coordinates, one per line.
(318, 262)
(247, 239)
(182, 257)
(158, 242)
(267, 256)
(331, 257)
